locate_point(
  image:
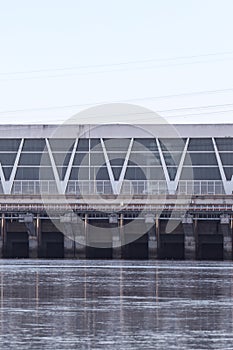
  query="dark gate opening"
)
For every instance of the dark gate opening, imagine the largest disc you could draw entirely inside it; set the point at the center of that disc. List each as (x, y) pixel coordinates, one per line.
(136, 250)
(99, 239)
(210, 247)
(98, 253)
(171, 246)
(16, 245)
(52, 245)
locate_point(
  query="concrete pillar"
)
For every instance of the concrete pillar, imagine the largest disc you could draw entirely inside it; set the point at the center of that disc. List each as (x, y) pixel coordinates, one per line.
(122, 233)
(226, 231)
(189, 238)
(69, 247)
(2, 234)
(116, 239)
(38, 232)
(69, 243)
(152, 239)
(195, 228)
(81, 233)
(74, 235)
(1, 247)
(157, 234)
(33, 247)
(31, 227)
(80, 249)
(152, 244)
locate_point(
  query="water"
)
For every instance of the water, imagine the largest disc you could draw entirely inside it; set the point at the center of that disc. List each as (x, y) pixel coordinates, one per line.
(115, 305)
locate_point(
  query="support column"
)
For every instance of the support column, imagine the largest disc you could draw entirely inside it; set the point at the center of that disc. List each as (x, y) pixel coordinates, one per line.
(33, 247)
(81, 238)
(32, 235)
(157, 233)
(195, 228)
(116, 238)
(73, 229)
(189, 238)
(38, 232)
(152, 239)
(226, 231)
(2, 234)
(69, 243)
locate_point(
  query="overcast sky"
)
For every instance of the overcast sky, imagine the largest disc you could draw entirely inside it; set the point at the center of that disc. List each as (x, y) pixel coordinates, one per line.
(59, 57)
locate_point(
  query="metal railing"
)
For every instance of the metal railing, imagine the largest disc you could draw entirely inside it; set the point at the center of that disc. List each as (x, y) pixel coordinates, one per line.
(139, 187)
(144, 187)
(34, 187)
(134, 187)
(87, 187)
(202, 187)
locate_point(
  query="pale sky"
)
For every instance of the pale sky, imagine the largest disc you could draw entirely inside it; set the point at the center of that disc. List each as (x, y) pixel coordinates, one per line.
(59, 57)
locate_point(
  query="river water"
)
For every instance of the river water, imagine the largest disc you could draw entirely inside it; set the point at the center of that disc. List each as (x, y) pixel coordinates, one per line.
(61, 304)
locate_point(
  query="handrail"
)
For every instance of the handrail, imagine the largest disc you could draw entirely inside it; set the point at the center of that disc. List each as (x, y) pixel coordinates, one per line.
(134, 187)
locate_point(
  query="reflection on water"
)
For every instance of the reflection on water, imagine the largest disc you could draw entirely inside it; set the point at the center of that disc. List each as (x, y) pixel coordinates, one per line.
(116, 305)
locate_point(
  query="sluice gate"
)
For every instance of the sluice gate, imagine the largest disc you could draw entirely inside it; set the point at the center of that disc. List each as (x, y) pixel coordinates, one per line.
(204, 234)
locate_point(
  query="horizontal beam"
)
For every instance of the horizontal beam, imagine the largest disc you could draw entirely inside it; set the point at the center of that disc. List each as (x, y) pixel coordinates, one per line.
(53, 208)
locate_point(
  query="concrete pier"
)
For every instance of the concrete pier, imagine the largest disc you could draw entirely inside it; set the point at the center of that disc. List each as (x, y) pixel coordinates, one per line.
(189, 238)
(226, 231)
(1, 247)
(117, 233)
(2, 234)
(80, 233)
(31, 227)
(33, 247)
(69, 248)
(152, 243)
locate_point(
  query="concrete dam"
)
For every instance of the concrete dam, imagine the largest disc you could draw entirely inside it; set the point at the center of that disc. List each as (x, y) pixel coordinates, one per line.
(116, 191)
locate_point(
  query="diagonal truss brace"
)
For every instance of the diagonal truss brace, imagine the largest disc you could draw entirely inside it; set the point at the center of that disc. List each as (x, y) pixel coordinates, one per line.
(61, 184)
(116, 184)
(7, 184)
(172, 184)
(227, 184)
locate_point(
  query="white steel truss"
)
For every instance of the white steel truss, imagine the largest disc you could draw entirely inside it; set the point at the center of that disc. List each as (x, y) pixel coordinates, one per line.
(61, 184)
(114, 186)
(227, 184)
(7, 184)
(172, 184)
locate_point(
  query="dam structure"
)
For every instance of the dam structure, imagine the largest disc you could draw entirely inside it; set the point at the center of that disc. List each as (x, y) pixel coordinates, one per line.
(116, 191)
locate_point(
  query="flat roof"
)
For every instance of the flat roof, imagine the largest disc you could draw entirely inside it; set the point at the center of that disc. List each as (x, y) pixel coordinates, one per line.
(115, 130)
